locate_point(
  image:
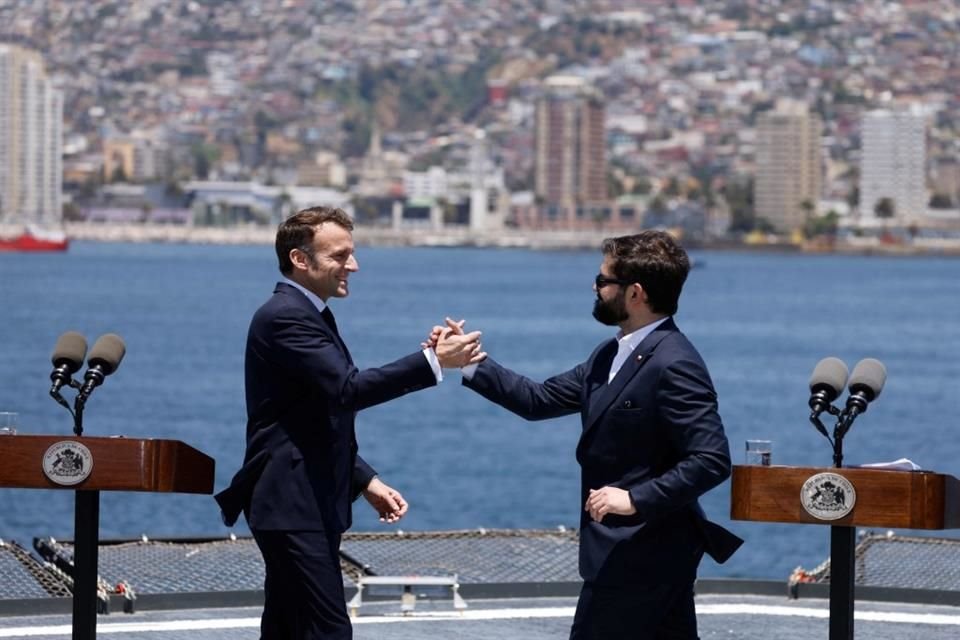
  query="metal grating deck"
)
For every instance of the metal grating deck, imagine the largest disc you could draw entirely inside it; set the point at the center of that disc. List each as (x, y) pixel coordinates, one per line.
(23, 577)
(476, 556)
(901, 562)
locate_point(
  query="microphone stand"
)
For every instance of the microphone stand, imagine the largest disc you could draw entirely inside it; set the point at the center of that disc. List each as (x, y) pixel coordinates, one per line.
(78, 416)
(843, 545)
(86, 519)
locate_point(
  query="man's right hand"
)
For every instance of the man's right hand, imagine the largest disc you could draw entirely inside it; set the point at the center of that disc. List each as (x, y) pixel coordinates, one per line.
(453, 347)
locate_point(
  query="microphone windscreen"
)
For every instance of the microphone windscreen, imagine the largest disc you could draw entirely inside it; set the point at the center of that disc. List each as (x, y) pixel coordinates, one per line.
(71, 348)
(107, 352)
(868, 377)
(829, 375)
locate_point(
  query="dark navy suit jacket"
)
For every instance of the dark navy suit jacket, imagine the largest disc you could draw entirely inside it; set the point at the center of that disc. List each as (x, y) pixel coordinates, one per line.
(301, 470)
(654, 431)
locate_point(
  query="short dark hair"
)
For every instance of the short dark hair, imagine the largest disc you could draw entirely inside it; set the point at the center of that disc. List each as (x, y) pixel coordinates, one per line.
(296, 232)
(654, 260)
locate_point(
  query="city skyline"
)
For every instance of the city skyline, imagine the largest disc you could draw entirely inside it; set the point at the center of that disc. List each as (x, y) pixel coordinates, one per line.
(292, 98)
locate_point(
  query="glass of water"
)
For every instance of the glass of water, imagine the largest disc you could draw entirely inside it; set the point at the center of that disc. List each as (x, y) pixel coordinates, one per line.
(8, 423)
(759, 452)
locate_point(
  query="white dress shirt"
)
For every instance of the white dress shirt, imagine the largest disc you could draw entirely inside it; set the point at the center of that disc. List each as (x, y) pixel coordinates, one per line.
(627, 343)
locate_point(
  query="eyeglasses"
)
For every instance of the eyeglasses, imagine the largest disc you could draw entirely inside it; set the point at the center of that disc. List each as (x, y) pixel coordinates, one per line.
(603, 281)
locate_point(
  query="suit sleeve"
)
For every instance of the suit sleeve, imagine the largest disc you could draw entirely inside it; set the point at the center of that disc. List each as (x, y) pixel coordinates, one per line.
(301, 346)
(557, 396)
(363, 473)
(688, 412)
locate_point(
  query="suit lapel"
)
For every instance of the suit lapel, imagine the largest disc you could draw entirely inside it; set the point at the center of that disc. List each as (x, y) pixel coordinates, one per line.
(597, 377)
(603, 397)
(296, 294)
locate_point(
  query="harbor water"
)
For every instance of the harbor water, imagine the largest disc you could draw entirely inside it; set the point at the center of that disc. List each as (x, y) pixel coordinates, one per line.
(761, 321)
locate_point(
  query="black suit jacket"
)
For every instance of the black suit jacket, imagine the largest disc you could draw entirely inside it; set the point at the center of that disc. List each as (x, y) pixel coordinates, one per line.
(654, 431)
(301, 470)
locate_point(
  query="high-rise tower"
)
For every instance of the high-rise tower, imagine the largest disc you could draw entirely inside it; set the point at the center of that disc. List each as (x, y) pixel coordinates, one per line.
(893, 163)
(789, 165)
(570, 162)
(31, 139)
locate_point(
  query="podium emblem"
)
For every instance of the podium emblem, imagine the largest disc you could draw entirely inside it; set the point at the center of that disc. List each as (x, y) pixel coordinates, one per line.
(828, 496)
(67, 462)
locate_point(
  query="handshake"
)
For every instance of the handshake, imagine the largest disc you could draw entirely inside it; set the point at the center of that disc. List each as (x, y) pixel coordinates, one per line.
(453, 347)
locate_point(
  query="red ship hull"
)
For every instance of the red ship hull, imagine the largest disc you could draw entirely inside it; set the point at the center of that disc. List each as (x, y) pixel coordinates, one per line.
(29, 242)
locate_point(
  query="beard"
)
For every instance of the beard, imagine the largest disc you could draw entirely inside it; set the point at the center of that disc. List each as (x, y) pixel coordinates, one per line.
(610, 312)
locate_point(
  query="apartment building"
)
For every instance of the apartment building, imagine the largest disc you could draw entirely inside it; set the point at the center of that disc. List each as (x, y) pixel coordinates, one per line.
(31, 139)
(893, 164)
(789, 165)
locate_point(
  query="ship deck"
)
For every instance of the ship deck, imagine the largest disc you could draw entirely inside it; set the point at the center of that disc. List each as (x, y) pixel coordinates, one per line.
(744, 617)
(515, 585)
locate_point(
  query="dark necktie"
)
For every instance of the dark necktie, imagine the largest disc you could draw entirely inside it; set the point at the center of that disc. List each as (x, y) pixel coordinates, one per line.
(328, 318)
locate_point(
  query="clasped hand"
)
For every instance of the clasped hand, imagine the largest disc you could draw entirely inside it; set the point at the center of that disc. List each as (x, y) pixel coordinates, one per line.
(453, 347)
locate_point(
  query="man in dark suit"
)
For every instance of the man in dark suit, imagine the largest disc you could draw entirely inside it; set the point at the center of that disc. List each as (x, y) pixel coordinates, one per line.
(652, 443)
(301, 470)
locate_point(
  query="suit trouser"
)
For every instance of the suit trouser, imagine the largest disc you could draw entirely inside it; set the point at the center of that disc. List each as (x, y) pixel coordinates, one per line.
(661, 611)
(303, 586)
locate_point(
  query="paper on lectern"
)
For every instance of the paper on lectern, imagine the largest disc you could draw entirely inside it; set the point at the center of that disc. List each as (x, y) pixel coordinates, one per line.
(903, 464)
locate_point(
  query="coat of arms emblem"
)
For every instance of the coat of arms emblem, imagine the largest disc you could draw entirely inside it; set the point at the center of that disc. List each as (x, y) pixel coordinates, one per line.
(67, 462)
(828, 496)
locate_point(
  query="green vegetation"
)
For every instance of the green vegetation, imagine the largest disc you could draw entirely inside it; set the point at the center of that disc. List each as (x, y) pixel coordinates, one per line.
(822, 225)
(407, 98)
(885, 208)
(739, 197)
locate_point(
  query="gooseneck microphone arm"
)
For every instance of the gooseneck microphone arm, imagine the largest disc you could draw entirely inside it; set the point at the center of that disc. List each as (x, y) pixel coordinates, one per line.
(818, 424)
(866, 383)
(105, 357)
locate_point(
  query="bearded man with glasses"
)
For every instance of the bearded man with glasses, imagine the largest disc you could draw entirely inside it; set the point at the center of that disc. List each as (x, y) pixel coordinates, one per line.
(652, 444)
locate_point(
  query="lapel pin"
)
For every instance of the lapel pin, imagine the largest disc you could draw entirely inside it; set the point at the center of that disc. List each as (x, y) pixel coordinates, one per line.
(627, 404)
(639, 358)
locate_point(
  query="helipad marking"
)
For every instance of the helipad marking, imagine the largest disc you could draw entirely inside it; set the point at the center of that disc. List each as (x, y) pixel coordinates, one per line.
(478, 614)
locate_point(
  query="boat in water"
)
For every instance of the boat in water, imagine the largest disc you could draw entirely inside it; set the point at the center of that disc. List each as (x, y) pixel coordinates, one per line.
(33, 238)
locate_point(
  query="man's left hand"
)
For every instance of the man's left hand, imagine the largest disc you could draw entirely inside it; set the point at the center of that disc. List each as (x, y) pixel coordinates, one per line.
(608, 500)
(385, 500)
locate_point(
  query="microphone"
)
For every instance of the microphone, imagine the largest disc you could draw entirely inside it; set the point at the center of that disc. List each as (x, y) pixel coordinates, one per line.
(826, 383)
(67, 359)
(866, 383)
(105, 357)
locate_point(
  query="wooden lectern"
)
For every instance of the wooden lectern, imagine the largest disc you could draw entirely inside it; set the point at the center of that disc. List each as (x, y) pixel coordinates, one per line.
(884, 498)
(88, 466)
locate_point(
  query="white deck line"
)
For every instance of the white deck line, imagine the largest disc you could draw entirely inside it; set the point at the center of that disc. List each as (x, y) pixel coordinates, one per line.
(479, 614)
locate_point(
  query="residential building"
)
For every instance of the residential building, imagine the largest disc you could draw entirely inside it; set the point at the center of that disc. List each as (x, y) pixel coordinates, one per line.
(789, 165)
(570, 157)
(133, 158)
(31, 140)
(893, 164)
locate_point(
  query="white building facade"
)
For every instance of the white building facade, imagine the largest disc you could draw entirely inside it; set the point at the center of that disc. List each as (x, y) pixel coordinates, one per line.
(31, 140)
(893, 163)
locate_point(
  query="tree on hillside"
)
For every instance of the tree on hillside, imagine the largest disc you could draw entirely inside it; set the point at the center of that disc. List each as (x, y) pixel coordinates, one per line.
(739, 197)
(941, 201)
(885, 208)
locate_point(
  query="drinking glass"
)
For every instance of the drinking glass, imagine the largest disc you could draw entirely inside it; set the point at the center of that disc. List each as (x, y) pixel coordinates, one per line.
(759, 452)
(8, 423)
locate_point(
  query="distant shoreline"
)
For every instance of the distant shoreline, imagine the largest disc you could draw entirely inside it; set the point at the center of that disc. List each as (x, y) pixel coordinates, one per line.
(462, 237)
